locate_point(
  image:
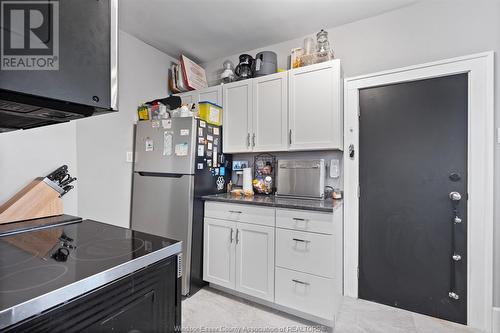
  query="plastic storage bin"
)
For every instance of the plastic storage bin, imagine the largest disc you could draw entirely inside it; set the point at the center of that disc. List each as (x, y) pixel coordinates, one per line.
(210, 112)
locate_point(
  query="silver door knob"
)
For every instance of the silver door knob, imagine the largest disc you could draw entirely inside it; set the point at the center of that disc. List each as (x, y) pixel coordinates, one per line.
(455, 196)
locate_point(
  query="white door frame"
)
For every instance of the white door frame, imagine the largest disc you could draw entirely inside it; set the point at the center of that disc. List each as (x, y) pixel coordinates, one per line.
(480, 68)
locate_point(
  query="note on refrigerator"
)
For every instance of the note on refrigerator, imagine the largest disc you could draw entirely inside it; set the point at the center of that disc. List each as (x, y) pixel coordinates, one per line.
(181, 149)
(167, 143)
(201, 150)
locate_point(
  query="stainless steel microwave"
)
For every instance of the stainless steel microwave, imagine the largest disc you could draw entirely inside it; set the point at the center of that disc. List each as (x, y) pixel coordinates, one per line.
(301, 178)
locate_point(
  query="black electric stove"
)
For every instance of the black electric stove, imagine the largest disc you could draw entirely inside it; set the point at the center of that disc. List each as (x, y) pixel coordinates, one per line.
(41, 268)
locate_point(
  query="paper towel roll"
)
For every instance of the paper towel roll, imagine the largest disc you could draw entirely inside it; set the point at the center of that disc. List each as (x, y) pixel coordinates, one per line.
(247, 179)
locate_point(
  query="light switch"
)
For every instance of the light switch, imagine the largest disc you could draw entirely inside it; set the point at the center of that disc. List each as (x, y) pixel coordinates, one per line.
(130, 157)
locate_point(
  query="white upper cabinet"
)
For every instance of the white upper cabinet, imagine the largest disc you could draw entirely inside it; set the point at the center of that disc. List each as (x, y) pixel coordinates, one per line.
(237, 123)
(315, 107)
(211, 94)
(270, 113)
(188, 97)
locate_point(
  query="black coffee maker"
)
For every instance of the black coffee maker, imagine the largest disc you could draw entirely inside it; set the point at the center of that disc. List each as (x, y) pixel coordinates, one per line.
(244, 70)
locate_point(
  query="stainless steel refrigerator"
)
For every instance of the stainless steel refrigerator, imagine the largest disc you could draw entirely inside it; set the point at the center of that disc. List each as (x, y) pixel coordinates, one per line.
(177, 161)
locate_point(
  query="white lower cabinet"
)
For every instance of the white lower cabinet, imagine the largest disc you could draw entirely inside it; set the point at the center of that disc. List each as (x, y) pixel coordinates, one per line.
(305, 292)
(239, 256)
(218, 252)
(255, 260)
(291, 259)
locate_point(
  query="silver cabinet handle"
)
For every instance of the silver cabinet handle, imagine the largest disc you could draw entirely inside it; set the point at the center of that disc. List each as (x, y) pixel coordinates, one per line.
(299, 219)
(248, 139)
(237, 236)
(253, 140)
(301, 282)
(290, 136)
(301, 240)
(231, 237)
(235, 211)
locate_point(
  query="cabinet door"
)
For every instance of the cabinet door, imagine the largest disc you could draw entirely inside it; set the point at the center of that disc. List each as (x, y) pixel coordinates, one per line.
(255, 260)
(270, 113)
(189, 97)
(237, 124)
(211, 94)
(315, 106)
(218, 254)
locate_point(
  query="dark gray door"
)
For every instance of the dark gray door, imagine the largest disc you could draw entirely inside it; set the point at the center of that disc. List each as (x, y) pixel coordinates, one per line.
(413, 154)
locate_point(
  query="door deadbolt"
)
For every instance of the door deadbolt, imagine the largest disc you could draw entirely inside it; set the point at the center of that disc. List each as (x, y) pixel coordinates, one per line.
(455, 196)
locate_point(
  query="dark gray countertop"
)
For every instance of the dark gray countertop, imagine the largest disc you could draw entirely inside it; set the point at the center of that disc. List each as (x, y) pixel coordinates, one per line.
(327, 205)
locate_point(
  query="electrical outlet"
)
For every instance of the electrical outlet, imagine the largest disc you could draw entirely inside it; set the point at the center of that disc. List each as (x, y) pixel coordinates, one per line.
(130, 157)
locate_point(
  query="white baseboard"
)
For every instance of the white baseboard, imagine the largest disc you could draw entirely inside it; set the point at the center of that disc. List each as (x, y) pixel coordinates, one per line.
(496, 320)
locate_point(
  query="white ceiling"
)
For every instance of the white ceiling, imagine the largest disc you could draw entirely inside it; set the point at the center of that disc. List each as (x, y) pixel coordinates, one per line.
(209, 29)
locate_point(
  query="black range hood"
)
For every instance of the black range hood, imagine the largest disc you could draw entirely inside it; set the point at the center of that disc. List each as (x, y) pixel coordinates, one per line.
(83, 38)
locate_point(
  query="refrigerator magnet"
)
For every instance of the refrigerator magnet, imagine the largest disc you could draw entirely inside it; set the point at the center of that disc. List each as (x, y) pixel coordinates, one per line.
(201, 150)
(201, 141)
(166, 123)
(200, 166)
(222, 171)
(216, 141)
(155, 124)
(209, 163)
(210, 138)
(184, 132)
(203, 124)
(200, 131)
(149, 145)
(216, 131)
(216, 171)
(209, 146)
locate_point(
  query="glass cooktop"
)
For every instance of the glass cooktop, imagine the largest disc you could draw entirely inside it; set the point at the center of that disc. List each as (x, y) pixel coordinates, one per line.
(36, 262)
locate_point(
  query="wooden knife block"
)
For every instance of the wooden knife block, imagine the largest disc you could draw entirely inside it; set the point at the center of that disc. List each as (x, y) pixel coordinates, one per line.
(35, 201)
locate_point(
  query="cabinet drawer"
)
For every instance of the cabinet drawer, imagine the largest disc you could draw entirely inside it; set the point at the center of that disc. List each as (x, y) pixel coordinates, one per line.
(305, 292)
(240, 213)
(305, 220)
(305, 252)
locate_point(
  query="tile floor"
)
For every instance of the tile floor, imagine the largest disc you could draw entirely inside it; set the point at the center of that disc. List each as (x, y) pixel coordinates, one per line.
(212, 311)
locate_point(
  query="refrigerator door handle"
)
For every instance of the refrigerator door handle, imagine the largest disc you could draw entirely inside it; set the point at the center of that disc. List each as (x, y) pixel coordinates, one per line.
(160, 174)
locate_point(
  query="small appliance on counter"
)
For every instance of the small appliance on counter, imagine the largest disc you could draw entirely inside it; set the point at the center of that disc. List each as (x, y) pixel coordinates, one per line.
(244, 70)
(266, 62)
(301, 178)
(40, 198)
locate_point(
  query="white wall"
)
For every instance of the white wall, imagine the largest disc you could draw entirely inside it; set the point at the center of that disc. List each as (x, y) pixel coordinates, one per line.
(426, 31)
(25, 155)
(105, 178)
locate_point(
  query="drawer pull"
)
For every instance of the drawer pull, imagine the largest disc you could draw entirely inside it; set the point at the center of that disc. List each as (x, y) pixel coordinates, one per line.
(299, 219)
(231, 237)
(301, 240)
(235, 211)
(301, 282)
